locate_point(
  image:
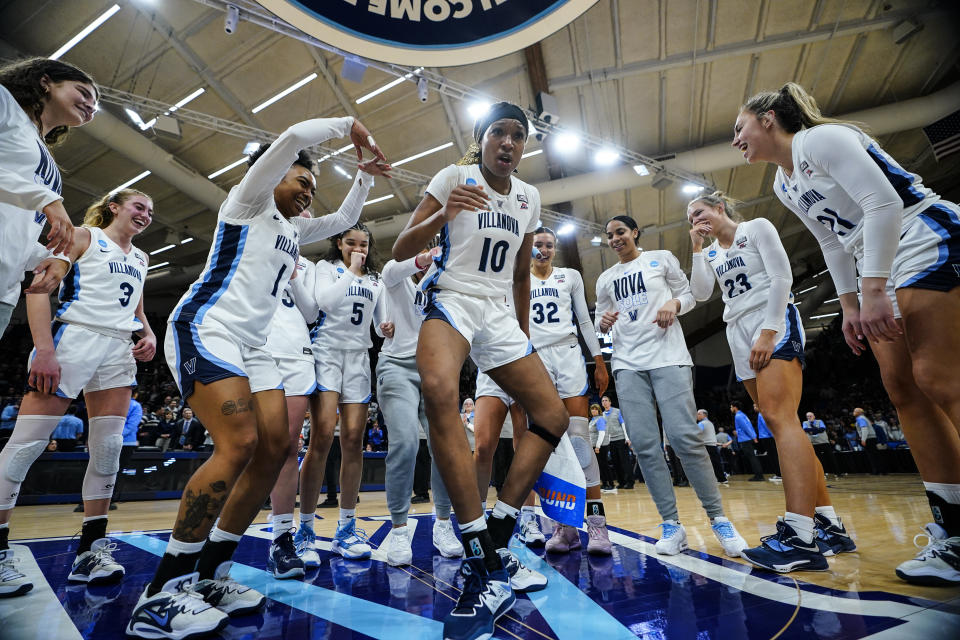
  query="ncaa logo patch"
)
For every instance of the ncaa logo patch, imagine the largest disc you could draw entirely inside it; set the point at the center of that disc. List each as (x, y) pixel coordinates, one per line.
(712, 254)
(654, 263)
(102, 243)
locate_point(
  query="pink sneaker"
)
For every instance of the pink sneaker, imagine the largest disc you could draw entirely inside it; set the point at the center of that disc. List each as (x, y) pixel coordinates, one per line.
(599, 544)
(564, 539)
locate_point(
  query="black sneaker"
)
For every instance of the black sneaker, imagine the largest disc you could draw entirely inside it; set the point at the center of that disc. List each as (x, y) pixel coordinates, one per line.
(419, 499)
(282, 559)
(785, 551)
(835, 537)
(486, 596)
(329, 502)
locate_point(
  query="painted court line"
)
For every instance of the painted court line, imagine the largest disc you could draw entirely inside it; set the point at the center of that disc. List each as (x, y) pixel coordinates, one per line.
(369, 618)
(38, 614)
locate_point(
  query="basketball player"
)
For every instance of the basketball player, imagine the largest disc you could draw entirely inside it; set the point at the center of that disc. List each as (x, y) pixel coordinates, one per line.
(486, 218)
(639, 299)
(401, 400)
(87, 347)
(349, 292)
(766, 339)
(556, 298)
(872, 217)
(40, 101)
(214, 347)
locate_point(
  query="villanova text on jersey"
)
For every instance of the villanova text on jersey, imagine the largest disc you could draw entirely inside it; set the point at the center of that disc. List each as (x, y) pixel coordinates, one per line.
(551, 292)
(498, 220)
(630, 292)
(288, 246)
(732, 263)
(363, 292)
(127, 269)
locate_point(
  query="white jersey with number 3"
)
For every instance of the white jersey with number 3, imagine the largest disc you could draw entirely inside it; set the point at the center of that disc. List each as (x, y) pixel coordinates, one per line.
(104, 287)
(289, 336)
(551, 307)
(479, 248)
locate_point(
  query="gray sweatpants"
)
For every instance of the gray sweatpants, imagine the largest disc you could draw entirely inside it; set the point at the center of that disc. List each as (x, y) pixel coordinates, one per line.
(401, 401)
(673, 389)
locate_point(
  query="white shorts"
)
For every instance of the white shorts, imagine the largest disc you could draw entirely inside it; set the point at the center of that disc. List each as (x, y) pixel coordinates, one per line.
(928, 256)
(299, 376)
(346, 371)
(567, 368)
(209, 352)
(90, 361)
(487, 387)
(486, 323)
(744, 331)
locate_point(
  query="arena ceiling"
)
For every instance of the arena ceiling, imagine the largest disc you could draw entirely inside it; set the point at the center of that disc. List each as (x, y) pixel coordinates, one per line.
(654, 78)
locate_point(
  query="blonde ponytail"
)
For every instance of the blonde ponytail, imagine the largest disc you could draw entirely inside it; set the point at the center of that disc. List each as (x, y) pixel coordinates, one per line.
(718, 198)
(793, 107)
(99, 214)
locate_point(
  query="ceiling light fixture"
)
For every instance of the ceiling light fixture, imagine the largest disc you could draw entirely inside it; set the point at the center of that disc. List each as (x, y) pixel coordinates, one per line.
(691, 188)
(478, 109)
(532, 153)
(162, 249)
(157, 266)
(606, 157)
(421, 154)
(343, 172)
(266, 103)
(641, 169)
(129, 182)
(566, 142)
(376, 200)
(227, 168)
(388, 86)
(87, 30)
(566, 228)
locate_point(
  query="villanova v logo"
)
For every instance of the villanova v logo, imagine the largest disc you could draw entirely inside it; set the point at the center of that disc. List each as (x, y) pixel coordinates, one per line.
(190, 365)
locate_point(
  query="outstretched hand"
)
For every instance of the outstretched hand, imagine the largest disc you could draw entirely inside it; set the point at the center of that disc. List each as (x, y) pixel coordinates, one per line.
(363, 139)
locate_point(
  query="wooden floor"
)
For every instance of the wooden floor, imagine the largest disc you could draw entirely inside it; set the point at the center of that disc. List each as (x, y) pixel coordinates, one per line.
(882, 513)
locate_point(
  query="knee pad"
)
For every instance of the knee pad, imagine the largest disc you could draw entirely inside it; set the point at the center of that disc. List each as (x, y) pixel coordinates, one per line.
(580, 440)
(104, 444)
(29, 439)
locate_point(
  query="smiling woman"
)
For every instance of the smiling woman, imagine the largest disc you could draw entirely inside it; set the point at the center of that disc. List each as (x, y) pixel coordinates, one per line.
(40, 100)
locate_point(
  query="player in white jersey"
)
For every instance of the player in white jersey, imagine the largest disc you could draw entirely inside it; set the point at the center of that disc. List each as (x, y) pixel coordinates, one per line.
(214, 347)
(401, 401)
(766, 339)
(86, 348)
(289, 344)
(40, 100)
(558, 309)
(639, 300)
(486, 219)
(349, 300)
(872, 216)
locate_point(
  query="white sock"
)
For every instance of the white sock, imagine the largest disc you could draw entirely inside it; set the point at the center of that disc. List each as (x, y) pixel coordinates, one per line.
(949, 492)
(176, 547)
(89, 518)
(503, 510)
(803, 525)
(306, 519)
(828, 513)
(281, 523)
(219, 535)
(483, 507)
(474, 525)
(346, 515)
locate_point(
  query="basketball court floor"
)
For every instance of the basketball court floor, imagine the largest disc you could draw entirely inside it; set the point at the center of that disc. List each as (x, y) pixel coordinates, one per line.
(697, 595)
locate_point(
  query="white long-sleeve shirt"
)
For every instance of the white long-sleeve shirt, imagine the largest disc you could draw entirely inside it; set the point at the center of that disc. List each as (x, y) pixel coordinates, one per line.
(637, 289)
(403, 306)
(255, 248)
(29, 181)
(854, 198)
(753, 272)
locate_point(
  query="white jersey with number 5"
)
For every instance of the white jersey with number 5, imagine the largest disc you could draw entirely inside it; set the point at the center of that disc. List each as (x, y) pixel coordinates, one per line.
(348, 305)
(479, 247)
(103, 289)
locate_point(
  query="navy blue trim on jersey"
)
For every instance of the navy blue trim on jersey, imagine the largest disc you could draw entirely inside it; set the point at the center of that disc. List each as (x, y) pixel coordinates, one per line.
(228, 249)
(195, 363)
(901, 180)
(944, 274)
(791, 344)
(70, 291)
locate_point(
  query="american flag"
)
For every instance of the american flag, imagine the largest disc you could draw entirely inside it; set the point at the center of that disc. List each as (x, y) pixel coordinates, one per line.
(944, 135)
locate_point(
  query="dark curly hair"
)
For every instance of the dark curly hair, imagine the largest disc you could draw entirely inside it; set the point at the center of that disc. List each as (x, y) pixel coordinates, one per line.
(303, 158)
(371, 265)
(22, 80)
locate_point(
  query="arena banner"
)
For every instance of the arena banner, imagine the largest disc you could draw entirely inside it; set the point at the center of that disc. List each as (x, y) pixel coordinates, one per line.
(429, 32)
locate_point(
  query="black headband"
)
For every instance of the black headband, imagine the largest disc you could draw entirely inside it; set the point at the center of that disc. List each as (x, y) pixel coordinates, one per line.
(499, 111)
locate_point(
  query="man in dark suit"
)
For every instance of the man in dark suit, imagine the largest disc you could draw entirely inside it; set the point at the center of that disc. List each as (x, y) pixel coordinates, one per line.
(191, 431)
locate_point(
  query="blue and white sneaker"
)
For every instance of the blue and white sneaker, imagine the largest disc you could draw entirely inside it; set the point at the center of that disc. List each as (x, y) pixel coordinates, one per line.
(97, 566)
(13, 582)
(228, 595)
(832, 539)
(176, 612)
(522, 578)
(938, 563)
(486, 596)
(730, 539)
(303, 540)
(785, 551)
(350, 542)
(673, 540)
(282, 559)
